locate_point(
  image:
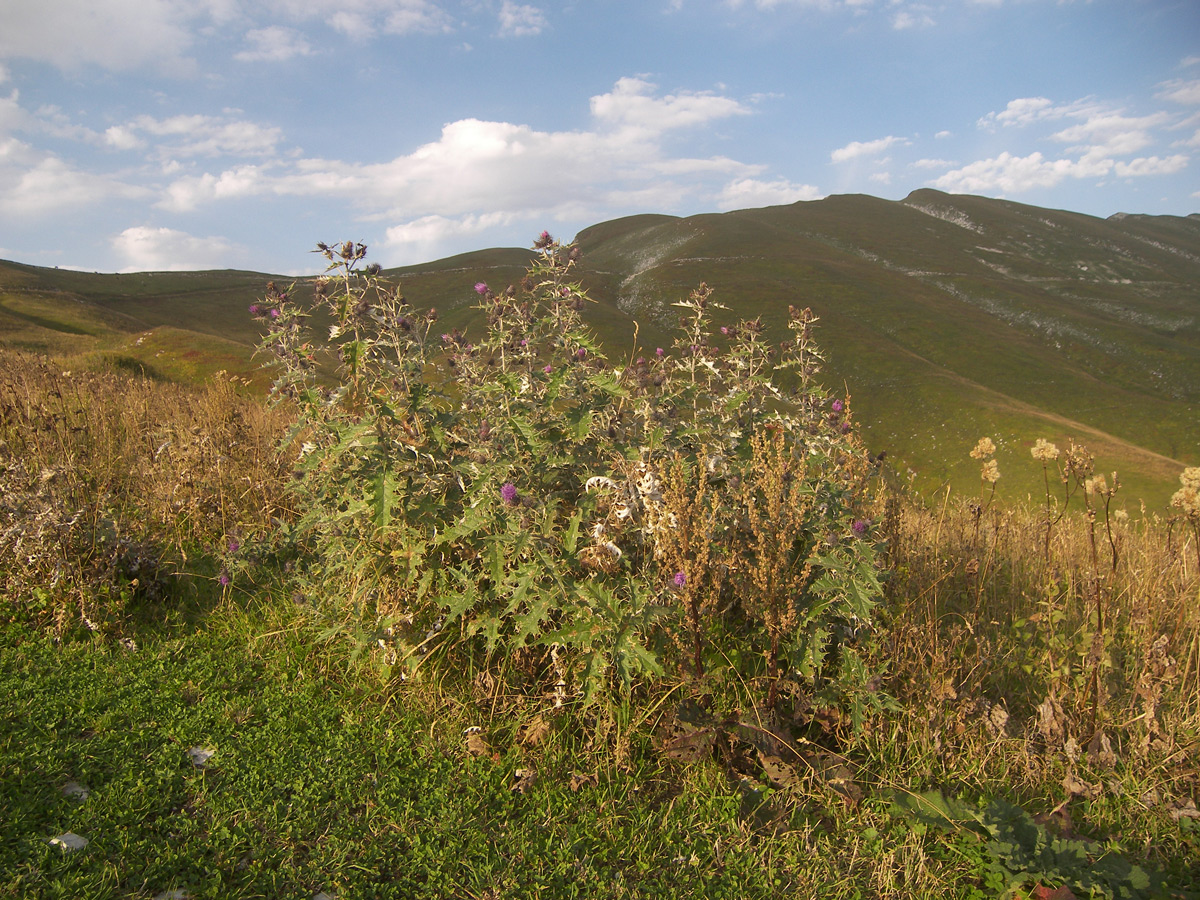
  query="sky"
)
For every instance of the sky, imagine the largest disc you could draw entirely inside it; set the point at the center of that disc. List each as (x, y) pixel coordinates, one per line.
(142, 135)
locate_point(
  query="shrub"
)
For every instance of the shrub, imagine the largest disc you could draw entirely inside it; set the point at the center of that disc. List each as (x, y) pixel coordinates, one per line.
(516, 494)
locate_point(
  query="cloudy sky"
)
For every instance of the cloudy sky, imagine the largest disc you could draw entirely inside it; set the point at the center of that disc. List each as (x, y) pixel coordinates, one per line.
(185, 134)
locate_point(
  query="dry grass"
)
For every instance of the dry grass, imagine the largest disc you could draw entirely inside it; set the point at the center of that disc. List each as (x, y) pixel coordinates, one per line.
(112, 484)
(1005, 679)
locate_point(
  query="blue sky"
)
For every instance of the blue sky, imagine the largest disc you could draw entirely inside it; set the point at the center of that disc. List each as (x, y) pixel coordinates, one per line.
(185, 134)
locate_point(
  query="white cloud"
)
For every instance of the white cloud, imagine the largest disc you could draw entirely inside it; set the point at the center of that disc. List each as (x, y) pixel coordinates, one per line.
(1006, 173)
(186, 194)
(1180, 91)
(122, 137)
(362, 19)
(1111, 133)
(34, 184)
(274, 44)
(632, 108)
(113, 34)
(913, 17)
(421, 238)
(188, 136)
(749, 193)
(478, 173)
(519, 20)
(1028, 110)
(1151, 165)
(147, 249)
(932, 164)
(857, 149)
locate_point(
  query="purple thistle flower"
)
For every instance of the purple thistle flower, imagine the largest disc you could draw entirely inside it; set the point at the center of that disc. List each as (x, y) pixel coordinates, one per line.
(255, 310)
(508, 493)
(274, 314)
(548, 369)
(234, 545)
(658, 352)
(481, 288)
(580, 353)
(680, 579)
(837, 406)
(223, 578)
(860, 526)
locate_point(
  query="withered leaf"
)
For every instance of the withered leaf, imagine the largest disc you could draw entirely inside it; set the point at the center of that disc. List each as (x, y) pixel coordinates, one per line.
(580, 780)
(533, 732)
(690, 746)
(477, 744)
(522, 780)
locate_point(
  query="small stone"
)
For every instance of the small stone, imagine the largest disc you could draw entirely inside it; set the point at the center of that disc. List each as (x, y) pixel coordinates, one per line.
(200, 756)
(69, 841)
(76, 790)
(173, 894)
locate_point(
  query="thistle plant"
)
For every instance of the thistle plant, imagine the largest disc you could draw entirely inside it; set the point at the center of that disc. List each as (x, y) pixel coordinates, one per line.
(511, 493)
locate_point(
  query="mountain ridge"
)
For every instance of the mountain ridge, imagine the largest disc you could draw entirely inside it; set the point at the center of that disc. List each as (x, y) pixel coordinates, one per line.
(944, 316)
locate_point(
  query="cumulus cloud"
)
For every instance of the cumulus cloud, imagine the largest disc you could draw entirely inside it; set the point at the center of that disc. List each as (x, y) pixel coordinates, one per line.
(1111, 133)
(1006, 173)
(274, 44)
(518, 20)
(632, 108)
(1151, 165)
(479, 173)
(146, 249)
(859, 149)
(748, 193)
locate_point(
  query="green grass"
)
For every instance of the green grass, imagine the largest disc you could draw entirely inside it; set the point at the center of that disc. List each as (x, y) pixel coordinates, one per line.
(323, 780)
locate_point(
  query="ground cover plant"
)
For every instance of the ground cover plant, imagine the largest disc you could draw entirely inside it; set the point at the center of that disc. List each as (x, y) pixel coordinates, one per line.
(659, 627)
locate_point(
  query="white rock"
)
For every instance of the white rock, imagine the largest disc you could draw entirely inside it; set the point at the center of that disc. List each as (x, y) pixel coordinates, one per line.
(76, 790)
(200, 756)
(69, 841)
(175, 894)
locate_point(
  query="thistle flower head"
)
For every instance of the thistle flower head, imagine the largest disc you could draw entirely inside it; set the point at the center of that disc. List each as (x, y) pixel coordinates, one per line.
(508, 493)
(990, 471)
(1044, 450)
(481, 288)
(680, 579)
(983, 449)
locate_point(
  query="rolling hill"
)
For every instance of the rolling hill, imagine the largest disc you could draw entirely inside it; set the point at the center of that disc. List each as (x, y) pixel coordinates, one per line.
(945, 317)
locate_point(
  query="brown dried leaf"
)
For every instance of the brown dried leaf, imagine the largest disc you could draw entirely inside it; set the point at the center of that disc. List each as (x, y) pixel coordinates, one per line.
(522, 780)
(1077, 788)
(533, 732)
(690, 746)
(1101, 751)
(580, 780)
(1183, 809)
(777, 771)
(477, 744)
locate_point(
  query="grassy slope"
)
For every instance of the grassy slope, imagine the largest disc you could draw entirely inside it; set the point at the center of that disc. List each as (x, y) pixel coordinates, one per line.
(945, 317)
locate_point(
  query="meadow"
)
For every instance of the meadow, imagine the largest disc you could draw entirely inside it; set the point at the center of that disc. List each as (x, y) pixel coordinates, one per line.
(488, 613)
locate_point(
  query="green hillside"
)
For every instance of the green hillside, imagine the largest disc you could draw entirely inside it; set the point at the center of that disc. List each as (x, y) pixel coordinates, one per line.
(944, 317)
